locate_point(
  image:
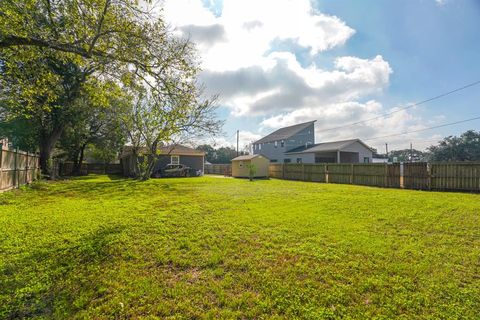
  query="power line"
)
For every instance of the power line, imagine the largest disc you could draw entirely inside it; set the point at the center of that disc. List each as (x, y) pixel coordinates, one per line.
(423, 129)
(405, 108)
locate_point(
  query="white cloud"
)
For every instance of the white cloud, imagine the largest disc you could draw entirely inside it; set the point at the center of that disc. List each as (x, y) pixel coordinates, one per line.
(243, 62)
(441, 2)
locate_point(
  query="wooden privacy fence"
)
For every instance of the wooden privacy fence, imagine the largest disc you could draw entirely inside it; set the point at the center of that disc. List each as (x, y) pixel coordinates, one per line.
(224, 169)
(463, 176)
(66, 168)
(381, 175)
(17, 168)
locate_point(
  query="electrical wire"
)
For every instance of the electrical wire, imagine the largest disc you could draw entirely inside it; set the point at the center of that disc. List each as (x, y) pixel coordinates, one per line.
(423, 129)
(404, 108)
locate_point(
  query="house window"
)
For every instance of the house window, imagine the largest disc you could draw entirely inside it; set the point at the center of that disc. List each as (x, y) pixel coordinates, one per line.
(299, 160)
(366, 160)
(273, 160)
(282, 143)
(240, 164)
(276, 144)
(286, 160)
(175, 160)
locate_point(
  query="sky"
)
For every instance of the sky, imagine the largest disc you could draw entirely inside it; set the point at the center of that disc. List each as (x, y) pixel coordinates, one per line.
(276, 63)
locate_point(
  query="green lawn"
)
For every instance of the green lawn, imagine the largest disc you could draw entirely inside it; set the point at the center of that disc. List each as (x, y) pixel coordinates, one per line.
(100, 247)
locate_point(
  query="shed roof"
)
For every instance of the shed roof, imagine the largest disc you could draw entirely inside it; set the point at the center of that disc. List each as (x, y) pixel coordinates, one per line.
(166, 150)
(327, 146)
(284, 133)
(248, 157)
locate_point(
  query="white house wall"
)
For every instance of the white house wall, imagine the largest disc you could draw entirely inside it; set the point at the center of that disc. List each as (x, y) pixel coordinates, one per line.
(363, 152)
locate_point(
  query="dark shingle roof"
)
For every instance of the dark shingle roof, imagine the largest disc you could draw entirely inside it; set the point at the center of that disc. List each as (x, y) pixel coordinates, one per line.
(284, 133)
(327, 146)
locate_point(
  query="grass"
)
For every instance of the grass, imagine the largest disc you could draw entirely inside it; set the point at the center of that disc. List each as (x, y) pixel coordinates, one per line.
(103, 247)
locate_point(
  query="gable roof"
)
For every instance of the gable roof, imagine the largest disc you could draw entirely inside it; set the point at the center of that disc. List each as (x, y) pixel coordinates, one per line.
(327, 146)
(248, 157)
(284, 133)
(173, 150)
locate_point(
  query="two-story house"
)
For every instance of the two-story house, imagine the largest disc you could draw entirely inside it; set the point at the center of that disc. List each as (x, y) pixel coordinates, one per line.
(296, 144)
(278, 143)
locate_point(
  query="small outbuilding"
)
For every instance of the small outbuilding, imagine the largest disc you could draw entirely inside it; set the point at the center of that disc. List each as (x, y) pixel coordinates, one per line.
(241, 166)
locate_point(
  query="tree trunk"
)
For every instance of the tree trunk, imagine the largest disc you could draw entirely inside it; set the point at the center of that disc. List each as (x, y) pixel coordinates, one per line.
(77, 165)
(47, 143)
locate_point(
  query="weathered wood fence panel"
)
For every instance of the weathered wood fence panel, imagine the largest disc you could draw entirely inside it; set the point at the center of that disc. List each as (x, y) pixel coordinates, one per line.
(275, 171)
(340, 173)
(223, 169)
(66, 168)
(293, 172)
(370, 174)
(393, 175)
(416, 176)
(422, 176)
(17, 168)
(455, 176)
(315, 172)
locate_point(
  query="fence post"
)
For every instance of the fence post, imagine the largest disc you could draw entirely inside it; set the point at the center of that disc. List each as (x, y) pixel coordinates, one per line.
(326, 174)
(15, 169)
(26, 169)
(429, 173)
(351, 173)
(1, 165)
(1, 157)
(385, 180)
(283, 170)
(303, 172)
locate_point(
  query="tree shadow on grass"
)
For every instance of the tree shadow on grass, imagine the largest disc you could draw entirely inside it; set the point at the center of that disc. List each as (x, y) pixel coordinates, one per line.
(117, 186)
(59, 280)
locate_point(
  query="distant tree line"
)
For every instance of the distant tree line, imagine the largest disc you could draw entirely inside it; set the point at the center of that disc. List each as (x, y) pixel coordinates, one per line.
(465, 147)
(219, 155)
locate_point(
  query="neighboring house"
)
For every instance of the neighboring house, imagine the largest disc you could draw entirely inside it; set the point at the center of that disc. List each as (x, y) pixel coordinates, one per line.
(176, 154)
(241, 169)
(277, 144)
(295, 144)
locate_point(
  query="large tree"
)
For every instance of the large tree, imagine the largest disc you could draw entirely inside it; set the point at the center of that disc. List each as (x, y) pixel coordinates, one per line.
(158, 119)
(97, 125)
(466, 147)
(41, 90)
(50, 49)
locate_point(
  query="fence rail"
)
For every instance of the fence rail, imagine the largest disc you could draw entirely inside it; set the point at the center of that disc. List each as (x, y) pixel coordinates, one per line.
(66, 168)
(463, 176)
(223, 169)
(17, 168)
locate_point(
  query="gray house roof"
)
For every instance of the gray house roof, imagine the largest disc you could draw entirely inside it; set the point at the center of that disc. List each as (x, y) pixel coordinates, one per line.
(284, 133)
(248, 157)
(327, 146)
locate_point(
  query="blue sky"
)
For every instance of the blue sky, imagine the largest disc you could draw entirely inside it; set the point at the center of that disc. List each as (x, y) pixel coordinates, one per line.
(276, 63)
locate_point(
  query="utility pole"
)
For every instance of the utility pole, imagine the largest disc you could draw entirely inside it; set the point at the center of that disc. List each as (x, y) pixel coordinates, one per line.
(237, 140)
(386, 149)
(411, 152)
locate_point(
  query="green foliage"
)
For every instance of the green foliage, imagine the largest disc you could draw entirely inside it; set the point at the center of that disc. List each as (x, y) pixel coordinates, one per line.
(57, 52)
(406, 155)
(466, 147)
(103, 247)
(219, 155)
(252, 169)
(20, 133)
